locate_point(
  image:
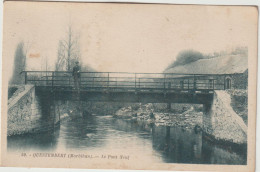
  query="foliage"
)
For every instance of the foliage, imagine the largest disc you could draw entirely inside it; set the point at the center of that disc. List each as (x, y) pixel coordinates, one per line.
(189, 56)
(68, 51)
(236, 51)
(240, 50)
(186, 57)
(19, 64)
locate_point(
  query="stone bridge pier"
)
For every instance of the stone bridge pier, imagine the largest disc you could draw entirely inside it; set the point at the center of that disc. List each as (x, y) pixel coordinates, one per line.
(30, 112)
(221, 121)
(23, 115)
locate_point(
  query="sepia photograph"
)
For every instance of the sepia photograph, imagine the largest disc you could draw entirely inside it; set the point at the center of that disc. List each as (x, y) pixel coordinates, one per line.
(129, 86)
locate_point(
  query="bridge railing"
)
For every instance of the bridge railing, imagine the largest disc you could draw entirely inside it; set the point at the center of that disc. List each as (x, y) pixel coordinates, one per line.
(124, 80)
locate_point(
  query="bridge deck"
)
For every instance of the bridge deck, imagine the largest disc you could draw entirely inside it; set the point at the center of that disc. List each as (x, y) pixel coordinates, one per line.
(127, 87)
(128, 82)
(197, 97)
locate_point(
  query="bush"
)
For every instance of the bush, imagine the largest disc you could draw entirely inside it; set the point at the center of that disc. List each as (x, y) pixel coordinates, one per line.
(186, 57)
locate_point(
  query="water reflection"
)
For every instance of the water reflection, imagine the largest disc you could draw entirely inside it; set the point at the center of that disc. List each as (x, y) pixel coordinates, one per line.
(177, 145)
(168, 144)
(81, 133)
(43, 141)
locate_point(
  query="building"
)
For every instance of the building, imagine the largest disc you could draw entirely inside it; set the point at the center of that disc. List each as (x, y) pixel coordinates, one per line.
(232, 70)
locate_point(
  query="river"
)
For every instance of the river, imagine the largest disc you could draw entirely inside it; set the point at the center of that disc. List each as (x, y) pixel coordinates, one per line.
(156, 143)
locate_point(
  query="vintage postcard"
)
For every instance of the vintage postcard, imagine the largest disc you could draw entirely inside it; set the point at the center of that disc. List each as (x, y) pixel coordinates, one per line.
(129, 86)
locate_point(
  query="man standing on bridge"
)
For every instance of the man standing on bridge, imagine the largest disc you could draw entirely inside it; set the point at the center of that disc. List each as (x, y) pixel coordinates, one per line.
(76, 75)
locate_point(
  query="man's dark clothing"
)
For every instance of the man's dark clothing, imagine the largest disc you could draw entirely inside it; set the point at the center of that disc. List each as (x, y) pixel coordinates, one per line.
(76, 70)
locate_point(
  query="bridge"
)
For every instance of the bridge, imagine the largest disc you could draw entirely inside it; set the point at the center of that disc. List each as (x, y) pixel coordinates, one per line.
(47, 90)
(128, 87)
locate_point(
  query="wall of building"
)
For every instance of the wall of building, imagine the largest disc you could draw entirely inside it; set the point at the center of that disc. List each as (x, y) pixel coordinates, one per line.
(238, 80)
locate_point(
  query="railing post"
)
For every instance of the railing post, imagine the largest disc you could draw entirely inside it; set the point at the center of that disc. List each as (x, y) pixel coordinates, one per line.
(69, 79)
(188, 84)
(213, 84)
(79, 82)
(25, 77)
(52, 77)
(224, 82)
(108, 79)
(182, 84)
(135, 80)
(169, 85)
(46, 78)
(164, 81)
(194, 82)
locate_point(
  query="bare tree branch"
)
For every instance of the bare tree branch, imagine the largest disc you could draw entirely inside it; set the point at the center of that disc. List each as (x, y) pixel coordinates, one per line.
(68, 50)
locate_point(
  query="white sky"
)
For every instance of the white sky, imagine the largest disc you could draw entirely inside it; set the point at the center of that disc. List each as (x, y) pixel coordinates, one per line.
(123, 37)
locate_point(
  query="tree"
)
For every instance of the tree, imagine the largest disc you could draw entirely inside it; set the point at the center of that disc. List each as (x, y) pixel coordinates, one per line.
(19, 64)
(240, 50)
(186, 57)
(61, 63)
(68, 51)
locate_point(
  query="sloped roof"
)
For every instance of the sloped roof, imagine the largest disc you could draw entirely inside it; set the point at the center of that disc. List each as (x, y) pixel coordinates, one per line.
(228, 64)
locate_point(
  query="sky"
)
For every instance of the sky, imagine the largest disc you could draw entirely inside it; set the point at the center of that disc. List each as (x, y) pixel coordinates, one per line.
(124, 37)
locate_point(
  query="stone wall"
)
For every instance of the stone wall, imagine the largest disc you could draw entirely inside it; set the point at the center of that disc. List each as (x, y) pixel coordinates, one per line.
(23, 114)
(239, 81)
(220, 120)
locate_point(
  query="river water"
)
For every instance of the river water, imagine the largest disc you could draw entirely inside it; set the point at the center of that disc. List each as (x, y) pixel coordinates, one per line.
(156, 143)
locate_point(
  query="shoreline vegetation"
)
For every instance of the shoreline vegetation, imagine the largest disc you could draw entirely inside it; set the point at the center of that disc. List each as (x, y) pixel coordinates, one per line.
(185, 116)
(182, 115)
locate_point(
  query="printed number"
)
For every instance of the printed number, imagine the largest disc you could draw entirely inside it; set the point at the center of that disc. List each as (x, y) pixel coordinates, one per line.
(23, 154)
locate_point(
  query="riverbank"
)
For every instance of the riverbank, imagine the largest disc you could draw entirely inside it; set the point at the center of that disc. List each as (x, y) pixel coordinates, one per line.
(226, 120)
(183, 115)
(99, 134)
(239, 102)
(222, 122)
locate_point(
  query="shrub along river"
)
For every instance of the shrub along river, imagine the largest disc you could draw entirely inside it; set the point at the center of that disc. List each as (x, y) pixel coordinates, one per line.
(143, 140)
